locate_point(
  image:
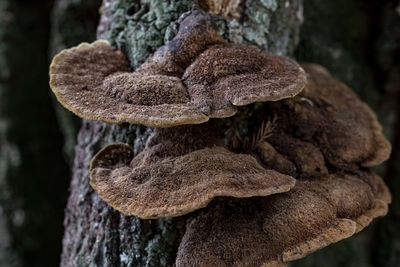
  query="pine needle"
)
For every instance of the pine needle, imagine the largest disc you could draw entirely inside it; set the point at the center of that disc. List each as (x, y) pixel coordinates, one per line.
(236, 142)
(264, 132)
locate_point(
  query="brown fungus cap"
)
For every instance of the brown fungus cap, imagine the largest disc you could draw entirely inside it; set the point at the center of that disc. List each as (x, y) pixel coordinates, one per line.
(194, 77)
(229, 75)
(271, 158)
(282, 227)
(308, 158)
(329, 115)
(92, 80)
(174, 176)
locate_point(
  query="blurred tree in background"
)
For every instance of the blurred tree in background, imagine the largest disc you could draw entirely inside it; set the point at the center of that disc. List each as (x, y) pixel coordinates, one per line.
(33, 174)
(357, 40)
(34, 171)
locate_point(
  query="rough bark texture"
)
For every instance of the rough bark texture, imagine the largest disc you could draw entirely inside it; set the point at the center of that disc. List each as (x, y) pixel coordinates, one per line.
(33, 174)
(95, 234)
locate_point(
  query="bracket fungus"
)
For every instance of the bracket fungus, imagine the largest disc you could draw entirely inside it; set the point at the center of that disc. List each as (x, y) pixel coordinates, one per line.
(300, 184)
(187, 81)
(325, 137)
(283, 227)
(325, 127)
(168, 179)
(330, 115)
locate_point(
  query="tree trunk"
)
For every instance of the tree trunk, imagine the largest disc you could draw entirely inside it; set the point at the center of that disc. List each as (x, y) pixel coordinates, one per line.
(33, 174)
(97, 235)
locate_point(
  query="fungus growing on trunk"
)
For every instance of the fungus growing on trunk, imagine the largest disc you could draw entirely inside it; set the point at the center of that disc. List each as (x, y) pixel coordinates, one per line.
(284, 227)
(180, 170)
(324, 136)
(331, 115)
(334, 196)
(187, 81)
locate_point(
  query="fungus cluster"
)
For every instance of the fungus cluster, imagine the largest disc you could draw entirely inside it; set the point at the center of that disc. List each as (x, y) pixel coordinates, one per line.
(268, 159)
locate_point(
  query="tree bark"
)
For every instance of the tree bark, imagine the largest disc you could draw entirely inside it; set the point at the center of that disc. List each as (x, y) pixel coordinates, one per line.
(97, 235)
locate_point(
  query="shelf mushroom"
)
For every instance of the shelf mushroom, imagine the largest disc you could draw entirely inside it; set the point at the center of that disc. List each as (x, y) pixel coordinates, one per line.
(194, 77)
(284, 227)
(325, 124)
(349, 130)
(299, 188)
(181, 170)
(325, 137)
